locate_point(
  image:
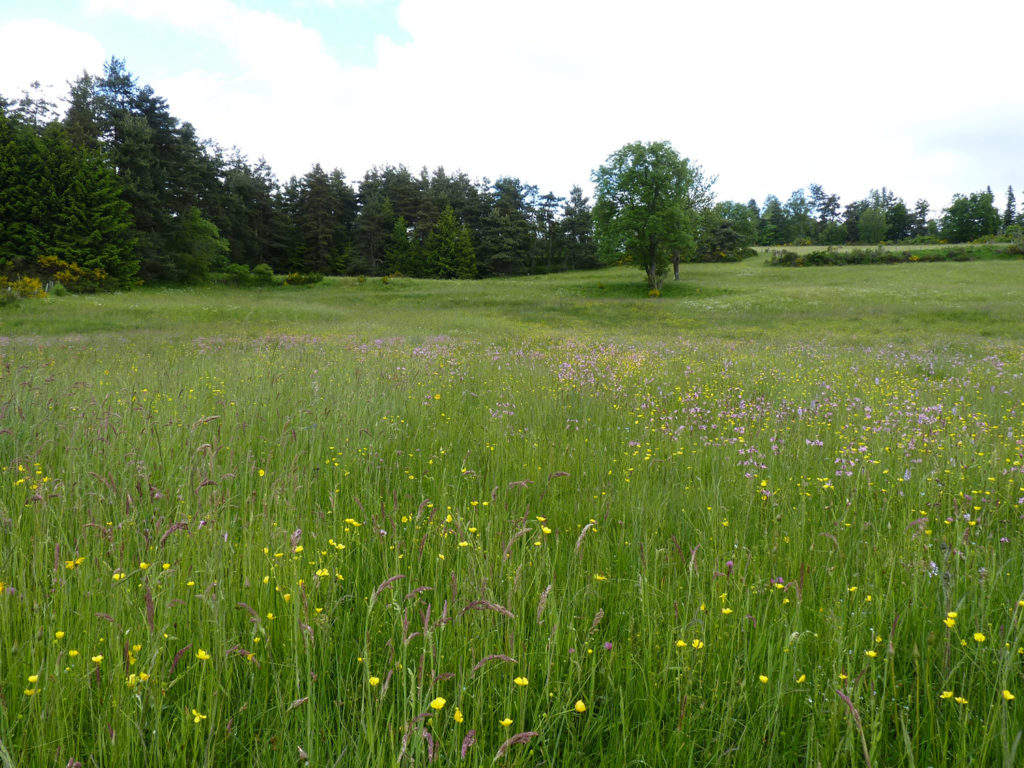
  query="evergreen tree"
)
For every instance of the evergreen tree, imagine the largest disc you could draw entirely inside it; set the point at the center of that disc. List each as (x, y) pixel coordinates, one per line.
(1010, 214)
(251, 217)
(323, 211)
(442, 246)
(579, 250)
(402, 251)
(919, 219)
(507, 238)
(60, 209)
(775, 225)
(372, 230)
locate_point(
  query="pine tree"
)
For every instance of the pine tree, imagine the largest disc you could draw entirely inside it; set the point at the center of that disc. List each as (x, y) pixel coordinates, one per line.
(402, 251)
(1010, 214)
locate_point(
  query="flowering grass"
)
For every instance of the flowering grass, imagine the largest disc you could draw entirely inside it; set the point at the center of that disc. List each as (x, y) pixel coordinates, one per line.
(335, 533)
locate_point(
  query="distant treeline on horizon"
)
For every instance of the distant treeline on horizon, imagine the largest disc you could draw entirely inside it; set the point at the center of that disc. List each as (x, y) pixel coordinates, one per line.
(118, 192)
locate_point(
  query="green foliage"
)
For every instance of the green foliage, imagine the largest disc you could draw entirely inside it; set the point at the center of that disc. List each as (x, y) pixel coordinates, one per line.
(969, 217)
(835, 257)
(322, 207)
(449, 251)
(263, 275)
(196, 248)
(303, 278)
(871, 225)
(402, 251)
(234, 274)
(71, 276)
(648, 198)
(56, 200)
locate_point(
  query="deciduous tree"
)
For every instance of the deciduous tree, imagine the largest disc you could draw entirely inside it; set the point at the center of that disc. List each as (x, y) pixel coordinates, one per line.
(647, 199)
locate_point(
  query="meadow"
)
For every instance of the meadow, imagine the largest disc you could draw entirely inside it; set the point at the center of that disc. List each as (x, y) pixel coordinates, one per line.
(772, 517)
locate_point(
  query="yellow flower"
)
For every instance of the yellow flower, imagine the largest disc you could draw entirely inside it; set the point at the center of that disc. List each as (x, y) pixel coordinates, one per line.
(680, 643)
(727, 611)
(458, 715)
(960, 700)
(979, 638)
(72, 653)
(580, 706)
(521, 681)
(143, 566)
(59, 634)
(262, 473)
(30, 691)
(33, 678)
(1006, 695)
(949, 622)
(599, 577)
(165, 566)
(438, 703)
(506, 722)
(98, 659)
(197, 716)
(801, 679)
(871, 654)
(374, 681)
(763, 678)
(951, 615)
(545, 529)
(946, 695)
(202, 655)
(143, 676)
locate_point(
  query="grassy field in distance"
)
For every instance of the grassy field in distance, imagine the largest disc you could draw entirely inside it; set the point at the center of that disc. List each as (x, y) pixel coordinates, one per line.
(775, 516)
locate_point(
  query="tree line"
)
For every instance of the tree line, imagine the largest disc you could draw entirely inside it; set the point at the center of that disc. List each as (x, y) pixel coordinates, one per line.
(116, 191)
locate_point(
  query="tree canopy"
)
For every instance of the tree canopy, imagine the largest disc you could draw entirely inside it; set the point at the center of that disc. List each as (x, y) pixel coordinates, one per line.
(117, 191)
(648, 201)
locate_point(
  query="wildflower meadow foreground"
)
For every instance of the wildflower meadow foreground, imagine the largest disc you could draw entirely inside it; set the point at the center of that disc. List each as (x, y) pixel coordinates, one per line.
(536, 550)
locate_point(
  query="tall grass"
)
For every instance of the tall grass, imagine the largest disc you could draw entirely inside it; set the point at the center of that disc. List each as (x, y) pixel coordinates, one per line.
(245, 528)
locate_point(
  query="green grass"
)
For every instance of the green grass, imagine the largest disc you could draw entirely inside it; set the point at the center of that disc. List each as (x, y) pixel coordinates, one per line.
(359, 498)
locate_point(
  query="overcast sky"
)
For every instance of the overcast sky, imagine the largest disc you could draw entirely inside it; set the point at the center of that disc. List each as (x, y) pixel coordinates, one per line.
(924, 97)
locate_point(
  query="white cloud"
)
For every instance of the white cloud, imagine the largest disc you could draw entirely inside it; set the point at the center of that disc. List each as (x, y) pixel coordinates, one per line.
(768, 96)
(40, 50)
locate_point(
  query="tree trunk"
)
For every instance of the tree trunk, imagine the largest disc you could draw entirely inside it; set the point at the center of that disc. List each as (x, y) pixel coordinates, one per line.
(675, 264)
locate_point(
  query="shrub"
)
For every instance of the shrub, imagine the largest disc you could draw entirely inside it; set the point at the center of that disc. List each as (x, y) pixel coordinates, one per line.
(22, 288)
(262, 274)
(303, 278)
(73, 276)
(237, 274)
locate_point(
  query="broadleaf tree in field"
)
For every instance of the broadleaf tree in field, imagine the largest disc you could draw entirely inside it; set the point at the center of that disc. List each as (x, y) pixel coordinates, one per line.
(648, 198)
(970, 216)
